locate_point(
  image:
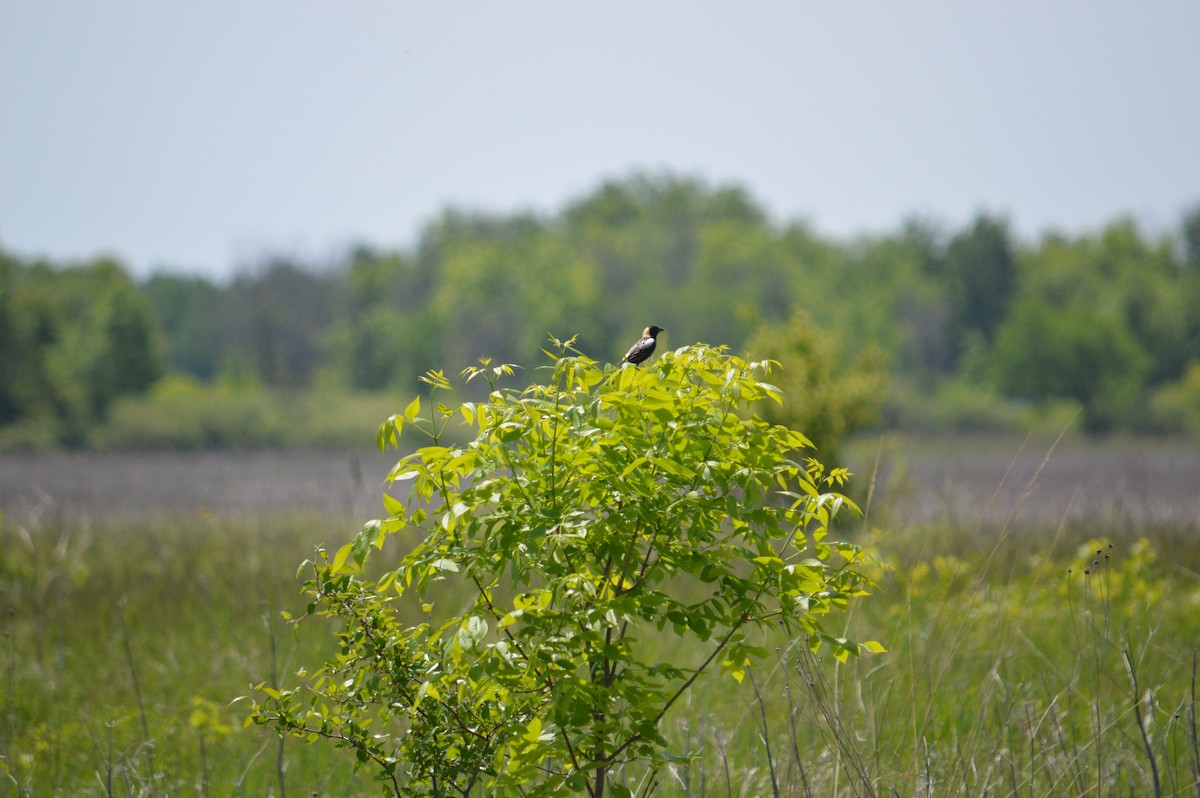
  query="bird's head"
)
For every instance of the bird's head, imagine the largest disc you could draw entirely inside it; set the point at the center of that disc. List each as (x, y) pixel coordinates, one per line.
(652, 331)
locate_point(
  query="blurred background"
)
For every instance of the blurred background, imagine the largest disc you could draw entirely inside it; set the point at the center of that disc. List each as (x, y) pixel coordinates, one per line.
(233, 226)
(233, 235)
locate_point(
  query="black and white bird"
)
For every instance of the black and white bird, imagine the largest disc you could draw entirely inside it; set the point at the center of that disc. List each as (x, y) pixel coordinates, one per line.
(643, 348)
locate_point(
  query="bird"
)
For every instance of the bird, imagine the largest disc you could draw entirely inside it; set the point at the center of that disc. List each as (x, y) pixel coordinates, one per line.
(643, 348)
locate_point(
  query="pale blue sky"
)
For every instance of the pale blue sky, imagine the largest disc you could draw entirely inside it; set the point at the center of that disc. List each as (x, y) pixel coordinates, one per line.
(199, 135)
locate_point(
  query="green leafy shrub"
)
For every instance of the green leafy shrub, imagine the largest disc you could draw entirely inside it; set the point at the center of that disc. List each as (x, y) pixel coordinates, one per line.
(590, 513)
(183, 413)
(1075, 352)
(1175, 407)
(828, 395)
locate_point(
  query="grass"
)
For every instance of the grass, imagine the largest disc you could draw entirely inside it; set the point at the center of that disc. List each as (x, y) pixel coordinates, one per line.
(1020, 662)
(123, 647)
(1035, 678)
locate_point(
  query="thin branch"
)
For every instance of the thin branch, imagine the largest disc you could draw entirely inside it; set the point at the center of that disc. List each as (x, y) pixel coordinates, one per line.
(684, 687)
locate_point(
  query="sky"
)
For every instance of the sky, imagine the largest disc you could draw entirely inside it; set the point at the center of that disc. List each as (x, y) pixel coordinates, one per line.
(204, 136)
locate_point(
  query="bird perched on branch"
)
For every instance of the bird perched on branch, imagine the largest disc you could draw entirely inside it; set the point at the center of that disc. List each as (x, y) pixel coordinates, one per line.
(643, 348)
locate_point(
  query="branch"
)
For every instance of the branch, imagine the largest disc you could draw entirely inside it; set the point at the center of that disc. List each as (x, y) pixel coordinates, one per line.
(684, 687)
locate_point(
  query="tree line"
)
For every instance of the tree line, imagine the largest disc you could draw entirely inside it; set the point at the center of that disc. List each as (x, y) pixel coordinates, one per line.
(1108, 320)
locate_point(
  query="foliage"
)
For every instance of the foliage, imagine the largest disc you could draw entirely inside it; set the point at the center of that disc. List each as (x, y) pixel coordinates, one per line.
(983, 264)
(592, 510)
(73, 342)
(183, 413)
(1073, 352)
(959, 406)
(1045, 669)
(1176, 407)
(1005, 672)
(960, 306)
(188, 310)
(124, 642)
(825, 394)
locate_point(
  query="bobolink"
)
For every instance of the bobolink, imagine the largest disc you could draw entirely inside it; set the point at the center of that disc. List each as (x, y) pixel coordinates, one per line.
(643, 348)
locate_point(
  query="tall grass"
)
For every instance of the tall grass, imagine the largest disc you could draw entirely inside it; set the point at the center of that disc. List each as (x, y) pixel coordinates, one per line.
(1055, 660)
(1052, 677)
(1025, 660)
(123, 647)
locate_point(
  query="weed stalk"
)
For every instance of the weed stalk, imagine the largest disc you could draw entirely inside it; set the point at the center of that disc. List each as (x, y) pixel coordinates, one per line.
(1141, 722)
(280, 765)
(1192, 724)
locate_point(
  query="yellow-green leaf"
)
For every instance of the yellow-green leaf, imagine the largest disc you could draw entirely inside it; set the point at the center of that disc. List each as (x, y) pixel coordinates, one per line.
(343, 563)
(414, 407)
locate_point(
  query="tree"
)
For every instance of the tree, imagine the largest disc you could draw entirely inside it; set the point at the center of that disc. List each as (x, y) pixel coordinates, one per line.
(982, 261)
(646, 236)
(276, 320)
(1071, 352)
(571, 521)
(132, 351)
(382, 333)
(501, 296)
(187, 309)
(826, 394)
(12, 356)
(1190, 229)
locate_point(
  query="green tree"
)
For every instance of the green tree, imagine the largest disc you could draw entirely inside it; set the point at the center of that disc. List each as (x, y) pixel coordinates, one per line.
(1145, 281)
(645, 236)
(35, 326)
(503, 295)
(888, 297)
(132, 356)
(1071, 352)
(384, 332)
(982, 262)
(277, 319)
(1190, 230)
(11, 345)
(825, 393)
(188, 312)
(589, 511)
(74, 339)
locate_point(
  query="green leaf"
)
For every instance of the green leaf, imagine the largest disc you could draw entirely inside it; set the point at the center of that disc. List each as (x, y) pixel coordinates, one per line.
(629, 469)
(428, 689)
(343, 562)
(414, 407)
(445, 565)
(472, 631)
(371, 534)
(534, 600)
(393, 505)
(588, 505)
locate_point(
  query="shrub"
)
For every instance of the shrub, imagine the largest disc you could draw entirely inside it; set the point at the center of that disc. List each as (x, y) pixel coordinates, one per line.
(180, 412)
(588, 511)
(829, 396)
(1175, 407)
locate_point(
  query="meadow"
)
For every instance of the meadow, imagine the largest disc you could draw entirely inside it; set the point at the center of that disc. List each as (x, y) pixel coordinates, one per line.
(1041, 615)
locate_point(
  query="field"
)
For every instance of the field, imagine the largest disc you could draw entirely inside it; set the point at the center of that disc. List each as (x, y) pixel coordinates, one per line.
(141, 597)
